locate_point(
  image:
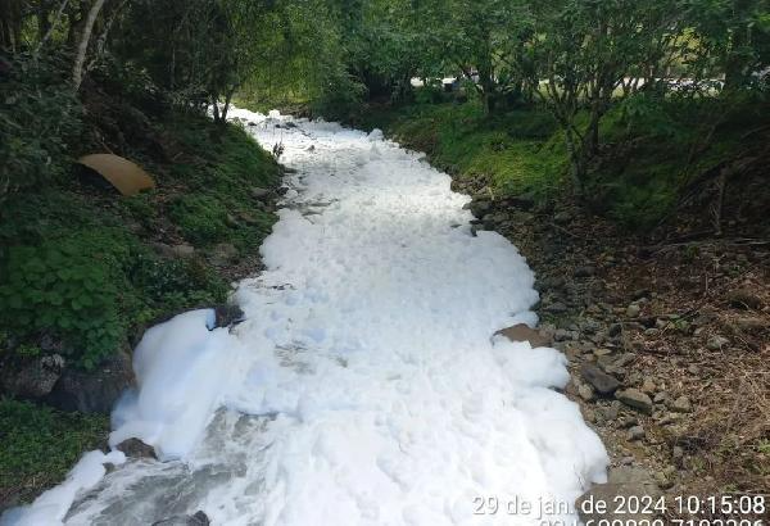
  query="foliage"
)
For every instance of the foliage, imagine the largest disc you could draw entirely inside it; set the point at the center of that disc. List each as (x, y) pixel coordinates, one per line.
(39, 117)
(39, 445)
(67, 287)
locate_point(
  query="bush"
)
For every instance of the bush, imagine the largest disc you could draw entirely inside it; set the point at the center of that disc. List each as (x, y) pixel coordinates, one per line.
(40, 117)
(70, 288)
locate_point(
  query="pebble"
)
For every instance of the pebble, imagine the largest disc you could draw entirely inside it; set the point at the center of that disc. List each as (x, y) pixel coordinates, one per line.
(715, 343)
(633, 310)
(636, 433)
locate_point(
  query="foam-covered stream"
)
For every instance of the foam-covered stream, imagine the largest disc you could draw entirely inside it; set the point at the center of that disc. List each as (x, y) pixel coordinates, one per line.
(364, 387)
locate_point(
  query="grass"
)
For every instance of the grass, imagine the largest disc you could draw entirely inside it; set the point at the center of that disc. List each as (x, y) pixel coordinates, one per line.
(39, 445)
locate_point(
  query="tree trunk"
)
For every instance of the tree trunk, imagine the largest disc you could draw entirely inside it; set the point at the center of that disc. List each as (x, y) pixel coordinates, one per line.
(80, 57)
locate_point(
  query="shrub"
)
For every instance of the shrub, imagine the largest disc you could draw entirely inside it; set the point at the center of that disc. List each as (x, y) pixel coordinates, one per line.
(70, 288)
(40, 117)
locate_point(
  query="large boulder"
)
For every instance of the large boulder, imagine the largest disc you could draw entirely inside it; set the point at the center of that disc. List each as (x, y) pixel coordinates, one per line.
(33, 378)
(93, 391)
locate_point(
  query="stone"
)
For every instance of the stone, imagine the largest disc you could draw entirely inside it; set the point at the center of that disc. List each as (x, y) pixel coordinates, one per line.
(135, 448)
(751, 324)
(33, 379)
(626, 482)
(259, 193)
(523, 333)
(586, 392)
(585, 271)
(198, 519)
(480, 208)
(598, 379)
(94, 391)
(179, 251)
(633, 310)
(556, 308)
(648, 386)
(682, 405)
(716, 343)
(562, 218)
(744, 299)
(223, 254)
(635, 399)
(228, 315)
(635, 433)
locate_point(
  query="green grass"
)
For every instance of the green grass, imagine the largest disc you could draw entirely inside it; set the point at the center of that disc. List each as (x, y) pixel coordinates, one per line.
(38, 446)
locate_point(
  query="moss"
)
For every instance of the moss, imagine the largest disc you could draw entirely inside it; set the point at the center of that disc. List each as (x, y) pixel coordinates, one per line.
(39, 445)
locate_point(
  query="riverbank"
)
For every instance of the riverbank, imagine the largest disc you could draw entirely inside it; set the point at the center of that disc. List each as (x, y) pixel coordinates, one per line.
(666, 333)
(89, 270)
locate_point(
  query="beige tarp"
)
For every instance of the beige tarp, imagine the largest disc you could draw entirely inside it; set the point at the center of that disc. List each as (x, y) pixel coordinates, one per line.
(124, 175)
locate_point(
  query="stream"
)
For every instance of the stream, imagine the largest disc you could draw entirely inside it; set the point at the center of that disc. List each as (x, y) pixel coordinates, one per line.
(365, 386)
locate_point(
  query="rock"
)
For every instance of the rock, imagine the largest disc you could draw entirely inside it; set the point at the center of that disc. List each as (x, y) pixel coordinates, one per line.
(635, 399)
(562, 218)
(633, 310)
(625, 482)
(33, 379)
(135, 448)
(480, 208)
(180, 251)
(93, 391)
(232, 221)
(553, 282)
(648, 386)
(259, 193)
(248, 218)
(198, 519)
(228, 315)
(615, 329)
(715, 343)
(599, 380)
(744, 299)
(585, 271)
(223, 254)
(635, 433)
(586, 392)
(522, 333)
(682, 405)
(751, 324)
(556, 308)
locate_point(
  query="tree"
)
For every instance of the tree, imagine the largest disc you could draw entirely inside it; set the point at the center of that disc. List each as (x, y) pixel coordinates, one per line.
(589, 55)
